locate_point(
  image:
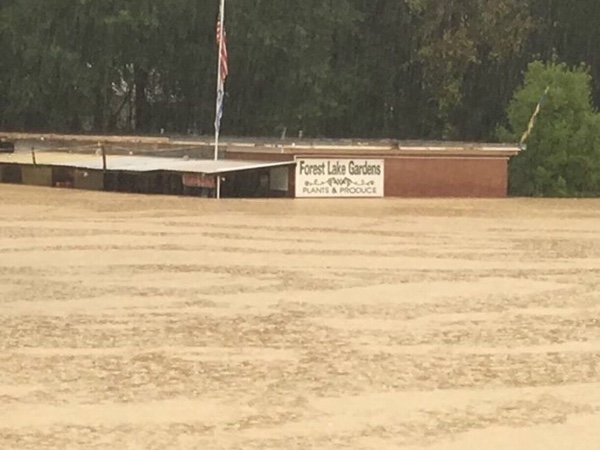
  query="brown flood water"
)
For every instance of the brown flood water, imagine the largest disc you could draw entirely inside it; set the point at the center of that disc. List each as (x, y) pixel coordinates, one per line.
(139, 322)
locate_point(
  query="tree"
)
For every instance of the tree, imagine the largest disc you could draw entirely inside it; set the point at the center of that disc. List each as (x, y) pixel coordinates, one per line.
(398, 69)
(562, 157)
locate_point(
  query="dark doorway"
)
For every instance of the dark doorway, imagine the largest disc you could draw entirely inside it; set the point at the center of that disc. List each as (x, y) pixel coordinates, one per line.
(11, 173)
(246, 184)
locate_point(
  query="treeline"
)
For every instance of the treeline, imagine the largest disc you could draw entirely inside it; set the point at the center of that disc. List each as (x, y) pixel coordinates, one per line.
(406, 69)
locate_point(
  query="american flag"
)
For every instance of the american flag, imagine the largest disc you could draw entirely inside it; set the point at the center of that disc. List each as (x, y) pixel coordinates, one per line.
(222, 43)
(223, 72)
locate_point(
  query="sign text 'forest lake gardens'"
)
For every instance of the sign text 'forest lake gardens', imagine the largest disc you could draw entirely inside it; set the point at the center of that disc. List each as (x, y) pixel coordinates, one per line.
(339, 177)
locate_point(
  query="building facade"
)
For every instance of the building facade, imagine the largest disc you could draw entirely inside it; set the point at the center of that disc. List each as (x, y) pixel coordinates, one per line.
(458, 170)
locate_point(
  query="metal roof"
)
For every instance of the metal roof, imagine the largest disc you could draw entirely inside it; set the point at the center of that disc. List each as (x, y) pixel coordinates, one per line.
(140, 163)
(194, 140)
(290, 145)
(153, 164)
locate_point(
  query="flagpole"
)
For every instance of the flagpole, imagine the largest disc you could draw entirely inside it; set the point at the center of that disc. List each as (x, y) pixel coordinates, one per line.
(220, 92)
(531, 123)
(219, 79)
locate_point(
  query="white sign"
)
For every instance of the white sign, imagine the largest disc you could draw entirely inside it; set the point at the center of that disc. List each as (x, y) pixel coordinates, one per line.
(339, 177)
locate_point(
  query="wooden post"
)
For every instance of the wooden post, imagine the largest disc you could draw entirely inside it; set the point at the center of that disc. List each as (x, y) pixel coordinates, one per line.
(103, 150)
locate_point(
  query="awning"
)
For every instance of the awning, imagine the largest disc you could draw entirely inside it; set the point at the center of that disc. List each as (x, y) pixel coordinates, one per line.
(143, 163)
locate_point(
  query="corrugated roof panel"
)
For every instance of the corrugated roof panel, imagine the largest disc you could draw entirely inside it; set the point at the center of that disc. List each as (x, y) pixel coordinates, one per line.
(139, 163)
(47, 158)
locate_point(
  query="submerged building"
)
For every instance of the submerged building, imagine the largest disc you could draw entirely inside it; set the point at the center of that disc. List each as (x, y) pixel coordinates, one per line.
(249, 169)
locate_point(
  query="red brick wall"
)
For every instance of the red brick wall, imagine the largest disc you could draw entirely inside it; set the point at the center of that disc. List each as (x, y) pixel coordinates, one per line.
(446, 177)
(411, 176)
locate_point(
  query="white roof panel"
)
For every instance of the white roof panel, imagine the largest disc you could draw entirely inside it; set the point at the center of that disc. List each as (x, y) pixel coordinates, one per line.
(144, 163)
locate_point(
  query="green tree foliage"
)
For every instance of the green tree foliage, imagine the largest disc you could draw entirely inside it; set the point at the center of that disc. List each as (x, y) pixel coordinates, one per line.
(562, 156)
(105, 66)
(405, 69)
(467, 52)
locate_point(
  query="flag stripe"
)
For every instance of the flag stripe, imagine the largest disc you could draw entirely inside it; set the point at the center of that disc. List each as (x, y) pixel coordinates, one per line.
(222, 43)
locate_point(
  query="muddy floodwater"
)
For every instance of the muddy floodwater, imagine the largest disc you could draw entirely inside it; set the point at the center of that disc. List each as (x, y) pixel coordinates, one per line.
(142, 322)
